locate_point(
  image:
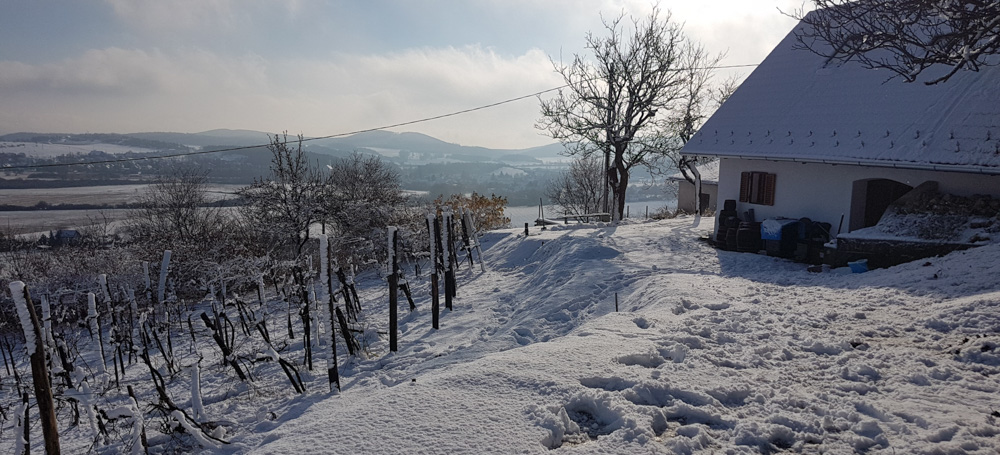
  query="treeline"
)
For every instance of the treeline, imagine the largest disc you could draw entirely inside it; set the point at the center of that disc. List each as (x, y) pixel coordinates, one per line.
(42, 205)
(92, 138)
(37, 180)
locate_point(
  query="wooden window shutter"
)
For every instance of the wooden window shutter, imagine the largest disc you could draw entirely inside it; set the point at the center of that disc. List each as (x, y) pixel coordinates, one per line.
(768, 198)
(745, 187)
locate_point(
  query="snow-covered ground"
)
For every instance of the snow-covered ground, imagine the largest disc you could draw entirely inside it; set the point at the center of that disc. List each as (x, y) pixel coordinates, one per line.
(710, 352)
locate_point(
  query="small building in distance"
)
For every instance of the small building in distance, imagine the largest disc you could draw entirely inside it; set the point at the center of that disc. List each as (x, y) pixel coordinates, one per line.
(709, 189)
(65, 237)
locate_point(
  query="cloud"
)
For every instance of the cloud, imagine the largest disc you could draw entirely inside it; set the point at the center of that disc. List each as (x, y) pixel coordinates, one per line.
(134, 90)
(174, 14)
(361, 91)
(324, 68)
(128, 72)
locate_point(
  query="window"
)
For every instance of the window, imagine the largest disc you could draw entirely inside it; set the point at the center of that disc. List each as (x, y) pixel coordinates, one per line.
(757, 188)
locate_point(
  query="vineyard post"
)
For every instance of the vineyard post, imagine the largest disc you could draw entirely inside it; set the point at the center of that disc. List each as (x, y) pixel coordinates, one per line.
(464, 220)
(446, 256)
(39, 372)
(453, 257)
(326, 281)
(393, 267)
(50, 342)
(146, 281)
(432, 228)
(162, 287)
(332, 372)
(95, 327)
(324, 267)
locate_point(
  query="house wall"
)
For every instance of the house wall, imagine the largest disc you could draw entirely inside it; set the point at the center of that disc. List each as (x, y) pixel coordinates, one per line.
(685, 195)
(822, 192)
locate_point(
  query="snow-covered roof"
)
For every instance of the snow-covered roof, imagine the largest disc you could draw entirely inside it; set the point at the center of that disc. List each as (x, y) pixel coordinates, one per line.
(709, 173)
(798, 105)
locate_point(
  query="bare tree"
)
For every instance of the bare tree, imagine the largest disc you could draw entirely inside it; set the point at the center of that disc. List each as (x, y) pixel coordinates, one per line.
(610, 104)
(579, 190)
(175, 213)
(906, 37)
(282, 207)
(175, 209)
(363, 197)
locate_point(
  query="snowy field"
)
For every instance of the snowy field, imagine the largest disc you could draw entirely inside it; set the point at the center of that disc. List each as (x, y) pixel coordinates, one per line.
(710, 352)
(37, 221)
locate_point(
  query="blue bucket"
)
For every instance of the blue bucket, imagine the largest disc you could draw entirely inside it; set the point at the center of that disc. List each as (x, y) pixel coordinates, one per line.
(860, 266)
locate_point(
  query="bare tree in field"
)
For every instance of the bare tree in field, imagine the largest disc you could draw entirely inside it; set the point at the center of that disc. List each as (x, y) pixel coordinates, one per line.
(175, 209)
(905, 37)
(175, 213)
(579, 190)
(611, 103)
(281, 207)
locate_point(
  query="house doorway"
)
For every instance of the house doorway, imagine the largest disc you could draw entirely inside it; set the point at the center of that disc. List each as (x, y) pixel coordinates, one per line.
(870, 199)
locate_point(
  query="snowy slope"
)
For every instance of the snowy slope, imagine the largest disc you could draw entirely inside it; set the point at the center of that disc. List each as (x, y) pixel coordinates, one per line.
(711, 352)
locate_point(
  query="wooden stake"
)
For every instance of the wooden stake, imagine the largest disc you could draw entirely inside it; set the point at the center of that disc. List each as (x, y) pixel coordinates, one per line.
(435, 231)
(393, 291)
(40, 375)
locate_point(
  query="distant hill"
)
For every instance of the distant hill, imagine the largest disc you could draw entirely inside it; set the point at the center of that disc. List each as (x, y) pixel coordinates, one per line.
(422, 143)
(238, 138)
(367, 142)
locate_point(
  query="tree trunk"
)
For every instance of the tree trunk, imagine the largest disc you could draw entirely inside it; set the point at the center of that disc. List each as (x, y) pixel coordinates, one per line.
(619, 184)
(697, 186)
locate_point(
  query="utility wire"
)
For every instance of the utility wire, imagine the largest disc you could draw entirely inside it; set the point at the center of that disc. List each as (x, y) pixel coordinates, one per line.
(378, 128)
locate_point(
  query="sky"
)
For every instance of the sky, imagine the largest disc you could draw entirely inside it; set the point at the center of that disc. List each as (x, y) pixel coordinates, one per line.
(319, 68)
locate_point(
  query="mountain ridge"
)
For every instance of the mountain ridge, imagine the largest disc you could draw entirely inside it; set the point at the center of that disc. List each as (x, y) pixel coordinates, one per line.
(370, 140)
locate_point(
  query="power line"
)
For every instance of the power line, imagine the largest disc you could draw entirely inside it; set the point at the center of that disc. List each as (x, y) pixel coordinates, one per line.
(368, 130)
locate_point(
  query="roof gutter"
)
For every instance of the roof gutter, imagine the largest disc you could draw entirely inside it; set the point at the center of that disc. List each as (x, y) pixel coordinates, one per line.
(871, 163)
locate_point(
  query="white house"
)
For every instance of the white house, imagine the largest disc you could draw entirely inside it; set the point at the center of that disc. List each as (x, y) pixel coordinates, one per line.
(807, 137)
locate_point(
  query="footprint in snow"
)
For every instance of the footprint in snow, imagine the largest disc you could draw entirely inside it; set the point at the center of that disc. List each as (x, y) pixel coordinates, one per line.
(642, 323)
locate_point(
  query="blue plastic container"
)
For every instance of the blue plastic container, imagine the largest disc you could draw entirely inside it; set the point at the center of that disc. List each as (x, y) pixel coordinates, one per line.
(860, 266)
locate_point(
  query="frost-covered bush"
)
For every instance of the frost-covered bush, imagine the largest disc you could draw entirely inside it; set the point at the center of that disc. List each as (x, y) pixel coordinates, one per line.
(487, 212)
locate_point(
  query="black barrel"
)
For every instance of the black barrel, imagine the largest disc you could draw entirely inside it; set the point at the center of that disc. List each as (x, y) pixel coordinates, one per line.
(748, 237)
(731, 237)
